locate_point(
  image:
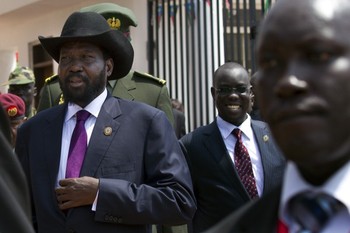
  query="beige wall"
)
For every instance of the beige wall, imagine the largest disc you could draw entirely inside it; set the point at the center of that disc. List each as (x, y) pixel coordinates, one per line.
(19, 33)
(7, 64)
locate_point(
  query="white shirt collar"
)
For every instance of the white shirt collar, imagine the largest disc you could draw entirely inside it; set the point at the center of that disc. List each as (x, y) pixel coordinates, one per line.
(93, 107)
(226, 128)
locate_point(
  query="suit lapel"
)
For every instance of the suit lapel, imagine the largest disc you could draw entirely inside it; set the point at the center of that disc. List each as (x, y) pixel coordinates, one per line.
(267, 148)
(214, 143)
(52, 137)
(105, 129)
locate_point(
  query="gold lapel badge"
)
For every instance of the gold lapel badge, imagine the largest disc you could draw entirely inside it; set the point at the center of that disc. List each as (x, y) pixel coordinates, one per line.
(107, 131)
(265, 138)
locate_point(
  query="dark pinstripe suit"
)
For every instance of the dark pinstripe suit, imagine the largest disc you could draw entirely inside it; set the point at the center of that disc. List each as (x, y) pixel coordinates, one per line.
(259, 216)
(217, 187)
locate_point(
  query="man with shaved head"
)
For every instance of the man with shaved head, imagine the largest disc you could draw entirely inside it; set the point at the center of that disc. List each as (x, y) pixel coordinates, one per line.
(222, 181)
(304, 90)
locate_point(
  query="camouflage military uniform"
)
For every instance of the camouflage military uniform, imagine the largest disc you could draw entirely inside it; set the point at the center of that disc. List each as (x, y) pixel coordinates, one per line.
(22, 83)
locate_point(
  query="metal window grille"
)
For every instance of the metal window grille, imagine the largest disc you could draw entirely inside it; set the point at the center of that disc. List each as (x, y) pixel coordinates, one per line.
(190, 39)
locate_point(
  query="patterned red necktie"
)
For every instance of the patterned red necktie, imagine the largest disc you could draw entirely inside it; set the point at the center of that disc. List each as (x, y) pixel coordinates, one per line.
(244, 165)
(78, 145)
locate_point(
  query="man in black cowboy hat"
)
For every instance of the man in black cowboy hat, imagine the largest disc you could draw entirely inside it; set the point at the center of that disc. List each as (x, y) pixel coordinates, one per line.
(99, 163)
(136, 85)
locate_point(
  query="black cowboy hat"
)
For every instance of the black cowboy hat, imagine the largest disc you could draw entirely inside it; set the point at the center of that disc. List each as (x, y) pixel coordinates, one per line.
(93, 28)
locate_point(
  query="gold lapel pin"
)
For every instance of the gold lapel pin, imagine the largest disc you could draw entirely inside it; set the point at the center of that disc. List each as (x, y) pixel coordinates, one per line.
(107, 131)
(265, 138)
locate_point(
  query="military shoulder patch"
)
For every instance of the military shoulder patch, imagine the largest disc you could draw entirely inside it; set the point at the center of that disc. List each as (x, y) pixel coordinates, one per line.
(51, 78)
(146, 75)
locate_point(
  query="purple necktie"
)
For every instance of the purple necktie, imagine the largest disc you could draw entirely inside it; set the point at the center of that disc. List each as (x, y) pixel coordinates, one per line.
(78, 145)
(244, 165)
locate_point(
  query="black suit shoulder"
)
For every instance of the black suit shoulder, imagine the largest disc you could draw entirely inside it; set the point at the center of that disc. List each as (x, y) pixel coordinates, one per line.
(263, 213)
(259, 123)
(197, 134)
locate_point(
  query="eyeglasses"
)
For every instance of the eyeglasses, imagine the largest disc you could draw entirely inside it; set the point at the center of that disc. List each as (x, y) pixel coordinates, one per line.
(230, 90)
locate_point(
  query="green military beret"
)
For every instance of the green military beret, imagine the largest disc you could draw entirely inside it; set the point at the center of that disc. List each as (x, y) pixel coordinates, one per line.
(21, 75)
(118, 17)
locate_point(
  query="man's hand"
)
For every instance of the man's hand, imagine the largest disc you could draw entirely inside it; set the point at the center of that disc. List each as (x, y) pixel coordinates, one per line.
(76, 192)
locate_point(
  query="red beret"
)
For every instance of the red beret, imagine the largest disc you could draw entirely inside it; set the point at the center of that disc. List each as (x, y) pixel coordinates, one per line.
(13, 105)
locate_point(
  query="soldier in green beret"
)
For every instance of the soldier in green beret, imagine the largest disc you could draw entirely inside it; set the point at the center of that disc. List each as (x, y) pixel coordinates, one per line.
(136, 85)
(22, 83)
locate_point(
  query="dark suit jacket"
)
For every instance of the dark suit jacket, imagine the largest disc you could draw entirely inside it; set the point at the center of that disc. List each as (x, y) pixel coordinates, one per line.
(260, 216)
(217, 186)
(179, 123)
(143, 174)
(14, 192)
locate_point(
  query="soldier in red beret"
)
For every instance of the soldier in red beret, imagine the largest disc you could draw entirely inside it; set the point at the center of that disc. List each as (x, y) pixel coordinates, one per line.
(15, 109)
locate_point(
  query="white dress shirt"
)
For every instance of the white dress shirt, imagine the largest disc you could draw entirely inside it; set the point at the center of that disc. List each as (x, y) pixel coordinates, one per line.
(249, 142)
(337, 186)
(69, 124)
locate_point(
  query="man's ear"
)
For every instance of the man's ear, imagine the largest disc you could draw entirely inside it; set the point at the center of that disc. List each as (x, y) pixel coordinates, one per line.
(252, 95)
(212, 90)
(252, 98)
(109, 66)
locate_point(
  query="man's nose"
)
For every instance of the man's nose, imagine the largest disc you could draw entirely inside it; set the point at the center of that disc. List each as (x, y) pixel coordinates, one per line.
(292, 83)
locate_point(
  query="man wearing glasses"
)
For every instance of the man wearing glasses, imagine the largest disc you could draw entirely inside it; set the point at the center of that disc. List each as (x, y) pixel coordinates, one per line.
(234, 159)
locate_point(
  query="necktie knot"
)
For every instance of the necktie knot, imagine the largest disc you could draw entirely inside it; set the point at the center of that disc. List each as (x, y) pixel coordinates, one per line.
(82, 115)
(237, 133)
(312, 211)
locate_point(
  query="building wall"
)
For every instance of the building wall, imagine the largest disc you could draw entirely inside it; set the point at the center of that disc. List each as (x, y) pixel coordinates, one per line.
(20, 32)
